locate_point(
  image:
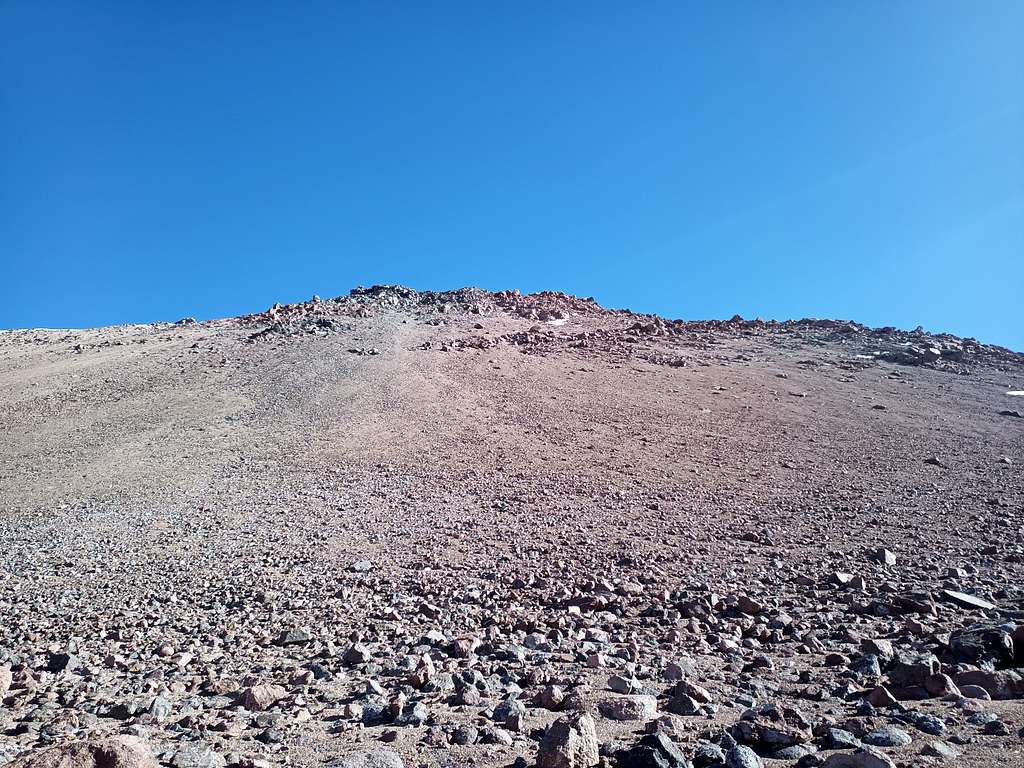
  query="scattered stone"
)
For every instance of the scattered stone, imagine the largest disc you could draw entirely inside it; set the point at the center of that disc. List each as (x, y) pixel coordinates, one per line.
(380, 758)
(518, 549)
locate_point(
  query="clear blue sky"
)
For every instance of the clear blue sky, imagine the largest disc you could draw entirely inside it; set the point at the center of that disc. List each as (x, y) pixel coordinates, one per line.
(861, 160)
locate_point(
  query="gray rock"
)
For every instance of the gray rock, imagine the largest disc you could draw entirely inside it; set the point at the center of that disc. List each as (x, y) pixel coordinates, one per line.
(866, 666)
(1000, 685)
(939, 749)
(653, 751)
(357, 654)
(681, 704)
(378, 758)
(295, 636)
(508, 708)
(975, 692)
(967, 601)
(708, 755)
(913, 669)
(983, 646)
(197, 755)
(865, 757)
(465, 735)
(884, 557)
(621, 684)
(161, 707)
(743, 757)
(62, 662)
(794, 752)
(414, 713)
(925, 723)
(629, 707)
(889, 736)
(570, 742)
(837, 738)
(5, 680)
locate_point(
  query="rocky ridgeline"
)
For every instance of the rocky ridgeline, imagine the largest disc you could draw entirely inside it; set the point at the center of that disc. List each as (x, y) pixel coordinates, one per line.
(319, 317)
(661, 341)
(622, 332)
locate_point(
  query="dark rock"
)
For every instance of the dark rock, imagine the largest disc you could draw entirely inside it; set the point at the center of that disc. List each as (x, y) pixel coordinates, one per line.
(742, 757)
(985, 646)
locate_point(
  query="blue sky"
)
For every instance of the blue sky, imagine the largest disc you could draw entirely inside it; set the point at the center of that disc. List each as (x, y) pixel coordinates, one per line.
(860, 160)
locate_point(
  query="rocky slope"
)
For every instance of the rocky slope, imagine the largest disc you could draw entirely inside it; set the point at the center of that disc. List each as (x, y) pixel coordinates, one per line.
(474, 528)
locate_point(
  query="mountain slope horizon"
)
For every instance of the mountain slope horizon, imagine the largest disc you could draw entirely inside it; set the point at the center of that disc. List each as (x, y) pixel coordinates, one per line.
(440, 528)
(429, 296)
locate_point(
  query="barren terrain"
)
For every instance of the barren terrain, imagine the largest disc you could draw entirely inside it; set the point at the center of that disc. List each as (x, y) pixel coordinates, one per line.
(421, 528)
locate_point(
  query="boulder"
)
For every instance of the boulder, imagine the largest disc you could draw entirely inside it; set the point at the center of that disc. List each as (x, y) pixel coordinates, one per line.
(742, 757)
(1000, 685)
(260, 697)
(653, 751)
(865, 757)
(119, 752)
(986, 646)
(570, 742)
(913, 669)
(629, 707)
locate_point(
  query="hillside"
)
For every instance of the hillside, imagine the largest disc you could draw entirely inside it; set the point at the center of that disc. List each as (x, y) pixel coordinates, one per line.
(428, 525)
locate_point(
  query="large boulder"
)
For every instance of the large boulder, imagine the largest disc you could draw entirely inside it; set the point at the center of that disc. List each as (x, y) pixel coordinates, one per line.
(571, 742)
(865, 757)
(771, 727)
(259, 697)
(743, 757)
(984, 646)
(653, 751)
(1001, 684)
(119, 752)
(913, 669)
(629, 707)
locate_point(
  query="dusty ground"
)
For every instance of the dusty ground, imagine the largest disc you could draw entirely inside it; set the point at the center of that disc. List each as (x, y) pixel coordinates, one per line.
(530, 494)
